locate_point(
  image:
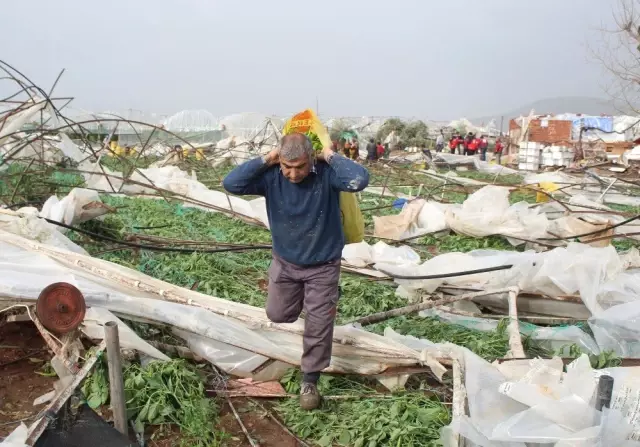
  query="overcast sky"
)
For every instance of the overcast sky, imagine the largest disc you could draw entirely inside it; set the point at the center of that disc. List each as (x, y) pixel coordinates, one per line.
(435, 59)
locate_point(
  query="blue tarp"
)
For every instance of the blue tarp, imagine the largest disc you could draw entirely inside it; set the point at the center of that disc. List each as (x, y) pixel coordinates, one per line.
(604, 123)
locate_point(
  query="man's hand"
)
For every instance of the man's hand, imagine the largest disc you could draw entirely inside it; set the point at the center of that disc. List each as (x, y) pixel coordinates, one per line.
(325, 154)
(272, 158)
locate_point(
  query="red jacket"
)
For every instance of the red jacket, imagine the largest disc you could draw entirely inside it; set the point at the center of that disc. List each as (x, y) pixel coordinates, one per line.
(473, 144)
(380, 150)
(483, 143)
(453, 143)
(499, 147)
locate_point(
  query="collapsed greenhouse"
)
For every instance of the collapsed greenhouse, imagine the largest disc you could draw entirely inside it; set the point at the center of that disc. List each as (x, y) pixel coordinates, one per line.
(483, 306)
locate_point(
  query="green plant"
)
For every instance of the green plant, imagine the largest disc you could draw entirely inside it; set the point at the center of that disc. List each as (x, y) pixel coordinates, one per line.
(461, 243)
(96, 387)
(172, 392)
(606, 359)
(160, 393)
(489, 345)
(404, 419)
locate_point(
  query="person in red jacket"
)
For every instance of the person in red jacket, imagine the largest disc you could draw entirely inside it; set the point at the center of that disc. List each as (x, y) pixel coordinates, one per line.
(380, 150)
(472, 145)
(498, 151)
(453, 144)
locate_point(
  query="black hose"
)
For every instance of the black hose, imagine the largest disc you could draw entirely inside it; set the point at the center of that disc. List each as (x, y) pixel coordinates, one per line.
(449, 275)
(591, 233)
(155, 247)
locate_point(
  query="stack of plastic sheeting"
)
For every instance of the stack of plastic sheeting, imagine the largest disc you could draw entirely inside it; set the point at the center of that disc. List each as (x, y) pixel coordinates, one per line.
(238, 331)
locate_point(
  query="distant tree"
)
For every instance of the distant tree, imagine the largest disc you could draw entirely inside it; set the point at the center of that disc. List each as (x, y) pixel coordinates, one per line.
(391, 125)
(415, 133)
(337, 129)
(619, 54)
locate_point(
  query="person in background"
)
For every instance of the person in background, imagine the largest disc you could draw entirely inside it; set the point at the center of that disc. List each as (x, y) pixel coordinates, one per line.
(302, 196)
(355, 149)
(460, 150)
(387, 150)
(498, 151)
(379, 150)
(453, 143)
(347, 149)
(472, 145)
(426, 152)
(372, 151)
(467, 141)
(483, 145)
(440, 142)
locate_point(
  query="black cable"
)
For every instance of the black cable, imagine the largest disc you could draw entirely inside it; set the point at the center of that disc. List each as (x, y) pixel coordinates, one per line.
(449, 275)
(591, 233)
(154, 247)
(152, 228)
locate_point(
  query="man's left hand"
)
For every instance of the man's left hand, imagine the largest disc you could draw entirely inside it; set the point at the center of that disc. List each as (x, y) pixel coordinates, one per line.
(325, 154)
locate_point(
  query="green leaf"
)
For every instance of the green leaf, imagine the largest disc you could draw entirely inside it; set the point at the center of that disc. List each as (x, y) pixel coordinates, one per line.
(153, 411)
(344, 438)
(326, 440)
(145, 410)
(94, 401)
(138, 426)
(359, 442)
(373, 443)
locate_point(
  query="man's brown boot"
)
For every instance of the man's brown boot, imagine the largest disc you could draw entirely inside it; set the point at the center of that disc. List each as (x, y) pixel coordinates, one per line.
(309, 396)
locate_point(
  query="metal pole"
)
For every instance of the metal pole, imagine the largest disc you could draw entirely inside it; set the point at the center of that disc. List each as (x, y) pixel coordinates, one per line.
(116, 383)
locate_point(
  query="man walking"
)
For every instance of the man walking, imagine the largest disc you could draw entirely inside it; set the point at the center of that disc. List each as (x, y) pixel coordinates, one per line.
(302, 196)
(440, 142)
(372, 151)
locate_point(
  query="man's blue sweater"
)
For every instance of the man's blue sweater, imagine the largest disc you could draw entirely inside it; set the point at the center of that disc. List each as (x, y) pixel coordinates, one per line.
(304, 217)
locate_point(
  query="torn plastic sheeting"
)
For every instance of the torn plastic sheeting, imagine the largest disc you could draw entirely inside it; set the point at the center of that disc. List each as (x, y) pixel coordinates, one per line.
(70, 149)
(362, 254)
(555, 338)
(172, 179)
(232, 360)
(118, 289)
(557, 406)
(487, 212)
(15, 122)
(17, 438)
(27, 223)
(93, 327)
(79, 206)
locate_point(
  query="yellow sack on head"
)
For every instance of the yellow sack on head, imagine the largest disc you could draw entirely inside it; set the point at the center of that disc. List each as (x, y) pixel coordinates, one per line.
(308, 123)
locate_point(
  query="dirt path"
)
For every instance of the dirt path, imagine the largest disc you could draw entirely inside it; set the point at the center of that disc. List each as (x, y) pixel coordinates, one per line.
(22, 352)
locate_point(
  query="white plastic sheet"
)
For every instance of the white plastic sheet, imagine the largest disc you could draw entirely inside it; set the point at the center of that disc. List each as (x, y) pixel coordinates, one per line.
(514, 404)
(176, 181)
(17, 438)
(93, 327)
(26, 267)
(487, 212)
(79, 206)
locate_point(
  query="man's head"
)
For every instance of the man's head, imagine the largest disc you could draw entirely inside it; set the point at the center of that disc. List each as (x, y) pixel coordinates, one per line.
(296, 157)
(370, 140)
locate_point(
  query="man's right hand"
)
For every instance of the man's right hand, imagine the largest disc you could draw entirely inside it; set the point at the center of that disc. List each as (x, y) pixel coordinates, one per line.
(272, 158)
